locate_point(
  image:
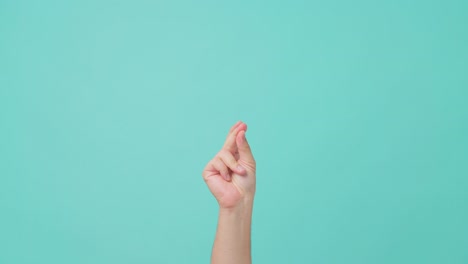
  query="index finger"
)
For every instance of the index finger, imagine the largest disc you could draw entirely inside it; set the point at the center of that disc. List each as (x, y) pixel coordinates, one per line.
(234, 126)
(230, 143)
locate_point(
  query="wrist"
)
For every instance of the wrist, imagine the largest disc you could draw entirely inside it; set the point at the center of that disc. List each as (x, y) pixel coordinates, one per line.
(238, 217)
(245, 205)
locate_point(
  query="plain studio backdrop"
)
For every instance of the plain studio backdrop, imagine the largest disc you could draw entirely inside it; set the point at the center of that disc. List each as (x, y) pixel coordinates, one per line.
(357, 114)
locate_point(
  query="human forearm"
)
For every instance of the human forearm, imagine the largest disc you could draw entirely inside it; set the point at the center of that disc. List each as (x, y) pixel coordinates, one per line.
(232, 243)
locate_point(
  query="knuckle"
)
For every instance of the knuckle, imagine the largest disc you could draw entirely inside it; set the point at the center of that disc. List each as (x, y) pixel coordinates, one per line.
(204, 176)
(219, 159)
(223, 153)
(226, 156)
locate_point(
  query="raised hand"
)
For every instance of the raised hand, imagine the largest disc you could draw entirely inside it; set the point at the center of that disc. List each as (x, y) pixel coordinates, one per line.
(230, 175)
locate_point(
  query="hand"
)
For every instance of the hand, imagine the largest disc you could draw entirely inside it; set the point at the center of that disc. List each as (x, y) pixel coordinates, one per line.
(230, 175)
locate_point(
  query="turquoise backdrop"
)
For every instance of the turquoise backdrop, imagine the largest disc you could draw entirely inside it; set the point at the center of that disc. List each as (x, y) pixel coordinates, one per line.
(357, 114)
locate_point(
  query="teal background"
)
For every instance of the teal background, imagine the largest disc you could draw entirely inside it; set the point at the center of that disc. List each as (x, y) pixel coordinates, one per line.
(357, 114)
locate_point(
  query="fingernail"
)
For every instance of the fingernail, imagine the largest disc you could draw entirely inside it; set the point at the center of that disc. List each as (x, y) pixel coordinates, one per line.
(240, 168)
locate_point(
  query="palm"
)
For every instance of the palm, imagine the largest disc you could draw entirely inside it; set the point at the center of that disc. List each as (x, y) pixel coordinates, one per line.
(229, 192)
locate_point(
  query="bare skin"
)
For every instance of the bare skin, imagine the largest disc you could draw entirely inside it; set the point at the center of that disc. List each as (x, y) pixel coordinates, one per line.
(230, 176)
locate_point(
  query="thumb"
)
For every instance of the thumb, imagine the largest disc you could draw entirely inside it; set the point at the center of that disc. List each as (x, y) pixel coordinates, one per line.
(245, 153)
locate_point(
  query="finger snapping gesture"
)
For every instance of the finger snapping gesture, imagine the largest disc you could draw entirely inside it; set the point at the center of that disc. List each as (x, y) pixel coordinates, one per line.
(230, 175)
